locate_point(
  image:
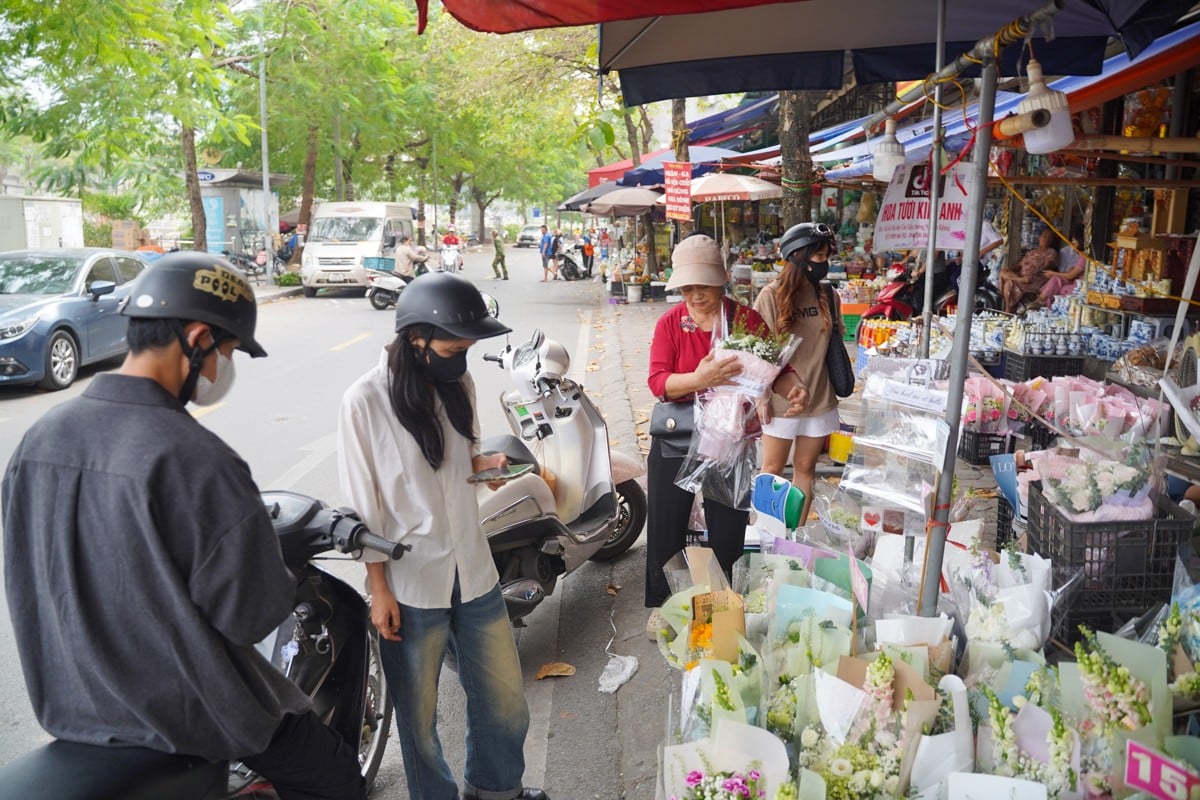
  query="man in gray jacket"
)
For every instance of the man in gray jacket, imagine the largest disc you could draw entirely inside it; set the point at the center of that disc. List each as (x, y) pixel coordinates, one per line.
(140, 564)
(407, 257)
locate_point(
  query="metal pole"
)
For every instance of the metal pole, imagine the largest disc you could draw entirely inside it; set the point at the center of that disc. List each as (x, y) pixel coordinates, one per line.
(433, 139)
(935, 186)
(935, 539)
(266, 161)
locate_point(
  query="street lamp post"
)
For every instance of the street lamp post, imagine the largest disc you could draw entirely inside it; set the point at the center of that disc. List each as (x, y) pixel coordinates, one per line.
(269, 267)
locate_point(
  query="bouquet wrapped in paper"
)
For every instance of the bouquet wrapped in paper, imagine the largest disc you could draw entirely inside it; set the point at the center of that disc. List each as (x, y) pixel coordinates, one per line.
(734, 762)
(720, 461)
(1099, 489)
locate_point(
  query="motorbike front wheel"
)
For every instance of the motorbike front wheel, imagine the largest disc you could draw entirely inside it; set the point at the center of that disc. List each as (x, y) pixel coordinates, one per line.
(381, 301)
(377, 714)
(631, 518)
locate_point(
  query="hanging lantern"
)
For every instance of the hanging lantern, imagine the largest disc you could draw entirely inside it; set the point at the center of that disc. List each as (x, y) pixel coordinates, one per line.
(1059, 133)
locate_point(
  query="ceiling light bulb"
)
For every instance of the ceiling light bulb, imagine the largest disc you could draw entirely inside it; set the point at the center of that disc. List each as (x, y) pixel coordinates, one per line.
(1059, 133)
(888, 155)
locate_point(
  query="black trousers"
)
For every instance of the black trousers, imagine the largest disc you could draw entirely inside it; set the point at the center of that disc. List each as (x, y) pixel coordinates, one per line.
(306, 760)
(667, 524)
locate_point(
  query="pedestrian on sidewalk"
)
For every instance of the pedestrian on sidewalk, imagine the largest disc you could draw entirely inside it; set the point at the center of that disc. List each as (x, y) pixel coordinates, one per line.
(682, 363)
(498, 261)
(589, 251)
(546, 250)
(795, 302)
(407, 443)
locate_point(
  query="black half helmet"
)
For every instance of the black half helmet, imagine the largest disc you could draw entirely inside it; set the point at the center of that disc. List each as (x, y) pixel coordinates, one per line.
(803, 235)
(448, 302)
(189, 285)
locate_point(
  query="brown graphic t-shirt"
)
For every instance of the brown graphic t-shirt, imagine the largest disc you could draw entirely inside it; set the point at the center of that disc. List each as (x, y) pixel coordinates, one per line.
(809, 358)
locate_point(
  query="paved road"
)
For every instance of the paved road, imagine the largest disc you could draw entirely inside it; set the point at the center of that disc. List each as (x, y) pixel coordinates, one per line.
(281, 417)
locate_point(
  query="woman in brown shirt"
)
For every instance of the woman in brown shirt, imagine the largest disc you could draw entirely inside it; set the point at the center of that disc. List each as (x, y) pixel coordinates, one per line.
(794, 302)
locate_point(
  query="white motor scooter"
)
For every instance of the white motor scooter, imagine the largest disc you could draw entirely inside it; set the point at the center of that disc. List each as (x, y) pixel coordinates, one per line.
(451, 258)
(580, 502)
(384, 288)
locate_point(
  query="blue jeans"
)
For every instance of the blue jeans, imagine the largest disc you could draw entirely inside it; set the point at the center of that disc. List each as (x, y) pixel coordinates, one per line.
(490, 673)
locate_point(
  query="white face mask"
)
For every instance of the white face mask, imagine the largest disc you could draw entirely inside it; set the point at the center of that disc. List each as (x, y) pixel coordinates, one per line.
(210, 392)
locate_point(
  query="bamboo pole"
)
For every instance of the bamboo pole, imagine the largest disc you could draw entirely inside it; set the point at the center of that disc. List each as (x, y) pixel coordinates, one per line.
(1152, 145)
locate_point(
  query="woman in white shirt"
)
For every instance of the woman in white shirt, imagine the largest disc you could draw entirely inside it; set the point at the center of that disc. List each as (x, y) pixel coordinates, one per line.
(407, 442)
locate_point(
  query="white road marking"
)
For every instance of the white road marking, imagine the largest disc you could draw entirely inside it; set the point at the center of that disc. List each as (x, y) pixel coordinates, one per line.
(540, 694)
(579, 360)
(201, 411)
(318, 450)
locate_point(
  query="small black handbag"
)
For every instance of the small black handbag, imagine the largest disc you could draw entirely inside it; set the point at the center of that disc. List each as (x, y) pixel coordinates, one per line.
(837, 360)
(673, 424)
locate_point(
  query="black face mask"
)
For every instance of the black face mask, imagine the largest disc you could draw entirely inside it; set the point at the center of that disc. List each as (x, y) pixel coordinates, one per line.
(446, 369)
(817, 270)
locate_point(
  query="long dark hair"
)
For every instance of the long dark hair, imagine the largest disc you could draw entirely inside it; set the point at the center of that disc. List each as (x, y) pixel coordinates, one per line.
(413, 394)
(791, 284)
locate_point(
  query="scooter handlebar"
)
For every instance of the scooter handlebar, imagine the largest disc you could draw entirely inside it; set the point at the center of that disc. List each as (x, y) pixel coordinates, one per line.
(359, 537)
(493, 359)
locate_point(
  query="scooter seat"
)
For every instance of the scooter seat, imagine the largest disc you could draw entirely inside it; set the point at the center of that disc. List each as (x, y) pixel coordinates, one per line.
(72, 771)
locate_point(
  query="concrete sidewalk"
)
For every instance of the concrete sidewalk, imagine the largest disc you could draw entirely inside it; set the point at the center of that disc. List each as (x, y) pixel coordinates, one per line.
(269, 292)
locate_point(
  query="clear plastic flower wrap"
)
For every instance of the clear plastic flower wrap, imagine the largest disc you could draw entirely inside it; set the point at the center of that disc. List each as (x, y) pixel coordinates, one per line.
(721, 459)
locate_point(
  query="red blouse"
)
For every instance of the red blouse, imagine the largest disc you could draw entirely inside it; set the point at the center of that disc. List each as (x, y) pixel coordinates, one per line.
(679, 345)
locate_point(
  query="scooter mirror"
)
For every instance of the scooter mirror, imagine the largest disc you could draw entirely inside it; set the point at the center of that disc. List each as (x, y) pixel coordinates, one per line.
(493, 306)
(537, 338)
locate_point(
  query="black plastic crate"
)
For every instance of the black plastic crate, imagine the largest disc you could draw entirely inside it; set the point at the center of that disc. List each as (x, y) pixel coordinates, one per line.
(1127, 566)
(1021, 367)
(1005, 535)
(1040, 437)
(975, 447)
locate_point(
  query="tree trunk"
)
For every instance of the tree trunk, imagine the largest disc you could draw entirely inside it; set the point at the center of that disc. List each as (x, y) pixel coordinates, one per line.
(348, 165)
(308, 185)
(795, 115)
(631, 131)
(339, 188)
(199, 220)
(679, 136)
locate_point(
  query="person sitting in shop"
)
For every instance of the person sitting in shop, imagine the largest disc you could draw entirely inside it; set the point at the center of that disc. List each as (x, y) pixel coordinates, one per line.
(1021, 284)
(1062, 281)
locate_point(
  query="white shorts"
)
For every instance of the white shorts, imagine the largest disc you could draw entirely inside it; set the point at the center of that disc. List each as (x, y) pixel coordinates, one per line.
(816, 427)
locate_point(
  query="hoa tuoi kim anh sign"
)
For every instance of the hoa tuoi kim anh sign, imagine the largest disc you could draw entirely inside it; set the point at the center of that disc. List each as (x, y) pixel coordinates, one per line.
(677, 177)
(903, 219)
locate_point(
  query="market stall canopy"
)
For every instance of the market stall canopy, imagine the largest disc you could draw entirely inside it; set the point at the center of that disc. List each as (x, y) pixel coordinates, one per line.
(727, 187)
(650, 171)
(691, 48)
(626, 202)
(747, 116)
(1166, 56)
(577, 201)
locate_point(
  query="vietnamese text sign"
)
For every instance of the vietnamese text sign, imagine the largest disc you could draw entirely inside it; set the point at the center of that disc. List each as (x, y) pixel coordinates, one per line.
(677, 177)
(903, 221)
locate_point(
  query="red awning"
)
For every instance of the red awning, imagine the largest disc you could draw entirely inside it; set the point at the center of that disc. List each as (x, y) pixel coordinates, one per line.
(526, 15)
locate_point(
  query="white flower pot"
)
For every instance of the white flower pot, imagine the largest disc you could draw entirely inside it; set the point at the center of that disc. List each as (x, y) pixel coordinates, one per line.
(633, 292)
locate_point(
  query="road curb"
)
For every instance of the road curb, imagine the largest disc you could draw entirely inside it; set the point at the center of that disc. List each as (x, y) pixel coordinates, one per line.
(290, 291)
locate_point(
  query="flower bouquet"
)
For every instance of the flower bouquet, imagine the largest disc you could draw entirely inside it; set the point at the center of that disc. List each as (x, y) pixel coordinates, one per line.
(1099, 490)
(735, 762)
(720, 461)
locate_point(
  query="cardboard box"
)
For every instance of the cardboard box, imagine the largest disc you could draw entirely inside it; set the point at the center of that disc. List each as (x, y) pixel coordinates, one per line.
(126, 234)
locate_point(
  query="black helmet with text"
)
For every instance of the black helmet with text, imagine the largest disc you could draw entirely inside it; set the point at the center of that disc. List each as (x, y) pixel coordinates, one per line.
(448, 302)
(192, 286)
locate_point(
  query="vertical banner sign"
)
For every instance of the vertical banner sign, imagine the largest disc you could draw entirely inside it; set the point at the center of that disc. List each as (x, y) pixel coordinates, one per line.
(903, 221)
(677, 176)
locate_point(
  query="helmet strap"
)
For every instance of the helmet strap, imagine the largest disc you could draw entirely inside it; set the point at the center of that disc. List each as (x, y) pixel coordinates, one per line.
(196, 356)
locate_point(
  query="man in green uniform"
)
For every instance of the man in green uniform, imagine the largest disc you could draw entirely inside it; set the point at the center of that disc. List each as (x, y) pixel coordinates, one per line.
(498, 261)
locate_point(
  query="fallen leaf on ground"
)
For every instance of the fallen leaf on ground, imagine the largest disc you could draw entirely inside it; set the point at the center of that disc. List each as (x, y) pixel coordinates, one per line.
(613, 589)
(555, 669)
(592, 367)
(613, 443)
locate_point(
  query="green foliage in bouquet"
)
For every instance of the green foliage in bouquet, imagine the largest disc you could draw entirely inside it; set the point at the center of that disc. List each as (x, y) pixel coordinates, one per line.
(769, 347)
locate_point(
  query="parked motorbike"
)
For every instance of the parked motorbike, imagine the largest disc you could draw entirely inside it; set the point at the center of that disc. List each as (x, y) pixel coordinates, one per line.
(581, 501)
(570, 264)
(327, 647)
(895, 300)
(987, 296)
(451, 258)
(384, 288)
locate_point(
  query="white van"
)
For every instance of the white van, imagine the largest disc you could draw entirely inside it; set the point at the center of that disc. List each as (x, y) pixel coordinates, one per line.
(343, 235)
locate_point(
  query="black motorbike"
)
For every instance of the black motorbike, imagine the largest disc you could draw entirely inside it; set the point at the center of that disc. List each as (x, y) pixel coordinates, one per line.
(327, 647)
(571, 264)
(987, 297)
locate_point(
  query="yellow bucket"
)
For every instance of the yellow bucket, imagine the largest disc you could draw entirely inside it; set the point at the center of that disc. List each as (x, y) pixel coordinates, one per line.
(841, 442)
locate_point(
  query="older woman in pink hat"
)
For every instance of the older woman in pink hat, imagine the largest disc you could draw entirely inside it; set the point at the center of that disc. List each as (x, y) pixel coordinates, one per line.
(683, 363)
